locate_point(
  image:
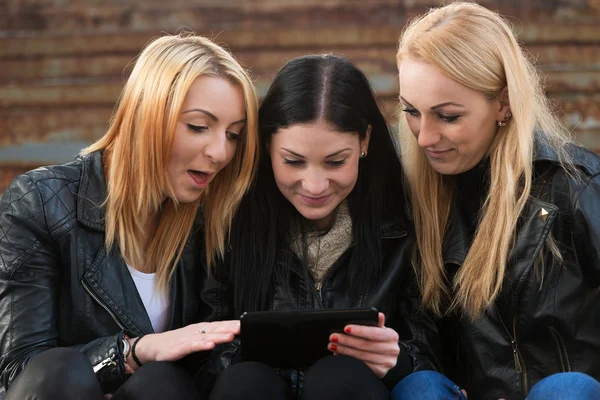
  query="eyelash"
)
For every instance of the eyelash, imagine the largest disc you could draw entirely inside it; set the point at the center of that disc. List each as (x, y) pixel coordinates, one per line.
(196, 128)
(234, 136)
(336, 164)
(446, 118)
(297, 163)
(200, 129)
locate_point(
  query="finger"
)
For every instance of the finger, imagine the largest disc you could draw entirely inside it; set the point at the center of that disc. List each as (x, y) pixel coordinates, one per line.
(372, 333)
(217, 338)
(194, 346)
(185, 348)
(386, 348)
(225, 327)
(218, 327)
(381, 320)
(365, 356)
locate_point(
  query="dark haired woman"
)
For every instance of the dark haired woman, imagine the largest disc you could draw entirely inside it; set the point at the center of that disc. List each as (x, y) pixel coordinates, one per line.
(323, 227)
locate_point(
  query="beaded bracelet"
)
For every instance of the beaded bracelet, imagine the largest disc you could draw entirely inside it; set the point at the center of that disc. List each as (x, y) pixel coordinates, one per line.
(137, 360)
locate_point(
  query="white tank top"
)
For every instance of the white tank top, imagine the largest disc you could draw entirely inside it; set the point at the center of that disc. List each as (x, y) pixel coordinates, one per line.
(156, 302)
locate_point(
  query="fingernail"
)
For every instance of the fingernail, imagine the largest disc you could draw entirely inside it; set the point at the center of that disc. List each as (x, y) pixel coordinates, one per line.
(333, 347)
(334, 339)
(348, 329)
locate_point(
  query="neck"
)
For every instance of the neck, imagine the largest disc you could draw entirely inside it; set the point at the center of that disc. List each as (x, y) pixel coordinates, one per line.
(147, 234)
(149, 229)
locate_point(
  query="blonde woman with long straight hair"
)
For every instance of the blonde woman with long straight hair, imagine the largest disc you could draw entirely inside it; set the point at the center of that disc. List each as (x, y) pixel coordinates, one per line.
(506, 214)
(102, 258)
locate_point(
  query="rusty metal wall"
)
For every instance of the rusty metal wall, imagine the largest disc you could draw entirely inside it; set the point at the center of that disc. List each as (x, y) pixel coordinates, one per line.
(62, 62)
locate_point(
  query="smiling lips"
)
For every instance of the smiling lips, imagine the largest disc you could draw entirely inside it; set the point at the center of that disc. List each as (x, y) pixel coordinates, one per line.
(200, 179)
(315, 201)
(438, 154)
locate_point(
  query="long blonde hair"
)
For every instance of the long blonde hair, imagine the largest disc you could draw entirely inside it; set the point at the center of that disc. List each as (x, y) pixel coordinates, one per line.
(477, 48)
(137, 147)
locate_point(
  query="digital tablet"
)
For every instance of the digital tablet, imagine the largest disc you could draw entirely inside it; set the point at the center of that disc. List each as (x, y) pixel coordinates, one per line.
(296, 339)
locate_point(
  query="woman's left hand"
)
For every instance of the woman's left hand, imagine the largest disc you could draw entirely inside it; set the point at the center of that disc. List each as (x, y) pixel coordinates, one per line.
(376, 346)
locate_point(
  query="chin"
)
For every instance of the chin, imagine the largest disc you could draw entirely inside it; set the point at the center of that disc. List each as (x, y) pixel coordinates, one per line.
(446, 169)
(313, 215)
(188, 197)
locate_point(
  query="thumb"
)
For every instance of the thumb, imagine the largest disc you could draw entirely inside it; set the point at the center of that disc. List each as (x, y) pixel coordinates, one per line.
(381, 323)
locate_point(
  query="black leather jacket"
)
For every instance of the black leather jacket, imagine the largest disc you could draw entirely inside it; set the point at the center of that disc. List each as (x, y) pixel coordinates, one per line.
(58, 285)
(537, 327)
(395, 295)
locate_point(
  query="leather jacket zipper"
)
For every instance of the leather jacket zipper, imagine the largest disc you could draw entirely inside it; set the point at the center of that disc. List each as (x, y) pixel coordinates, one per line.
(565, 365)
(328, 273)
(520, 367)
(112, 360)
(114, 317)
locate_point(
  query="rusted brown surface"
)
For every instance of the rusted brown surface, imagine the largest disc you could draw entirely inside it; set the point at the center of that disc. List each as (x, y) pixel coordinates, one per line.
(9, 172)
(62, 63)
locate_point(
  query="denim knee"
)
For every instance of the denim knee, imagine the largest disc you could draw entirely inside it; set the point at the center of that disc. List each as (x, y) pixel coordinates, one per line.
(426, 385)
(566, 386)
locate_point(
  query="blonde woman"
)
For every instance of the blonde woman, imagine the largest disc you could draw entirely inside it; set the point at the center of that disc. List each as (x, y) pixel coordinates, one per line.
(506, 211)
(101, 258)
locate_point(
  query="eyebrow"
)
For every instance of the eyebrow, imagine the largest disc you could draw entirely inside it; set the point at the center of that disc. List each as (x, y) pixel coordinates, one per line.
(211, 115)
(448, 103)
(329, 156)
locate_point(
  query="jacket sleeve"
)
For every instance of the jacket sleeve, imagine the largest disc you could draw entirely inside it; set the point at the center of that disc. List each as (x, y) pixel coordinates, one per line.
(399, 298)
(217, 296)
(419, 346)
(30, 278)
(586, 226)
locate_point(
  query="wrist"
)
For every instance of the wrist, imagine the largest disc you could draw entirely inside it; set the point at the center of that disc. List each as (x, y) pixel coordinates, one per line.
(135, 357)
(139, 351)
(126, 346)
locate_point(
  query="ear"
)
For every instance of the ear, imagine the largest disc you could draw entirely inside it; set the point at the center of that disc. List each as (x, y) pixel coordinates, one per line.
(364, 143)
(503, 104)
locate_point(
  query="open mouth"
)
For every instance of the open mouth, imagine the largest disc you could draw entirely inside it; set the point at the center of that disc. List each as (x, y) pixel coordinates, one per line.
(200, 178)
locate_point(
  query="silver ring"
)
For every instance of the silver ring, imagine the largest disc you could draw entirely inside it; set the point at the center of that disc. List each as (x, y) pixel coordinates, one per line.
(203, 330)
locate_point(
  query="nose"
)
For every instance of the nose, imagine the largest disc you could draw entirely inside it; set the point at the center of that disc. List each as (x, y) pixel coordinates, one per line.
(315, 182)
(216, 149)
(428, 134)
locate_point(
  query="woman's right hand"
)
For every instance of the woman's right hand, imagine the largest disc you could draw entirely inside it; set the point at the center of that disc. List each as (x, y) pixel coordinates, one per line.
(176, 344)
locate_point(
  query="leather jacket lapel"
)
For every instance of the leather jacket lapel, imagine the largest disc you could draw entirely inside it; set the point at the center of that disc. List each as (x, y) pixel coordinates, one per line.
(107, 279)
(535, 225)
(92, 193)
(457, 241)
(109, 282)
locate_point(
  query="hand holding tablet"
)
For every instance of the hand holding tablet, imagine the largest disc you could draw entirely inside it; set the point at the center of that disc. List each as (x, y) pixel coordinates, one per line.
(296, 339)
(377, 346)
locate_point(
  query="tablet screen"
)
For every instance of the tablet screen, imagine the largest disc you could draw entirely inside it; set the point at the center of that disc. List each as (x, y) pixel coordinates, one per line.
(296, 339)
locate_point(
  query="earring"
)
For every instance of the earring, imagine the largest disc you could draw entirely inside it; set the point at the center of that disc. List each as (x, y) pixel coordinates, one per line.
(363, 154)
(504, 121)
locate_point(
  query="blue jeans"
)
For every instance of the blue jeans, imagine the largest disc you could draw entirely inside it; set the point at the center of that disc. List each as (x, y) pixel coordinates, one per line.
(428, 385)
(566, 386)
(435, 386)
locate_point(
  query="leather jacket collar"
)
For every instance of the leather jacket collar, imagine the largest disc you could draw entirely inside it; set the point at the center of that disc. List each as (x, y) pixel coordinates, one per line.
(92, 192)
